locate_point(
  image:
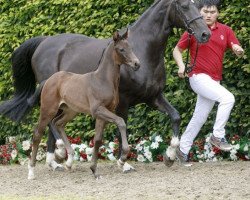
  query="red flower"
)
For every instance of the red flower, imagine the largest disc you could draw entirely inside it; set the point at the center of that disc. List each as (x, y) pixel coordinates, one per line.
(159, 158)
(83, 155)
(216, 150)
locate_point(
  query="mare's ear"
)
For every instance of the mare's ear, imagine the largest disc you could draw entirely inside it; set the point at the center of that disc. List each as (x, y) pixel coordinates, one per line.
(116, 36)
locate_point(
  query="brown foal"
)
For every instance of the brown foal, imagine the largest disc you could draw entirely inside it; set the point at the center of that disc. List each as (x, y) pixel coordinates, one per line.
(94, 93)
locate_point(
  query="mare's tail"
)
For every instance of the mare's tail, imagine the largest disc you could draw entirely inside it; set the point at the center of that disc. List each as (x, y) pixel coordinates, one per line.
(24, 81)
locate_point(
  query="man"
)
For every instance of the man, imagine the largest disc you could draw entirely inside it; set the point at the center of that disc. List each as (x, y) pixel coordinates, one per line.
(205, 79)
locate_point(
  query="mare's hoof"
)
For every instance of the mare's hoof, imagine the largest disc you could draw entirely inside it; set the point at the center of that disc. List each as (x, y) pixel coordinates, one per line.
(167, 161)
(59, 168)
(68, 167)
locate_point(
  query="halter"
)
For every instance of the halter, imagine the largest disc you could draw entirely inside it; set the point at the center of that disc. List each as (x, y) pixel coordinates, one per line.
(186, 21)
(191, 32)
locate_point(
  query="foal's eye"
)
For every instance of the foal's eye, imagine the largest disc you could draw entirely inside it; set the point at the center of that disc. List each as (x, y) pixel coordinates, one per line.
(122, 50)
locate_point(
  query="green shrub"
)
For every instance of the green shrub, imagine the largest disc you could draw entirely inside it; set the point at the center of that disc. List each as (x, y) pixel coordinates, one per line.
(23, 19)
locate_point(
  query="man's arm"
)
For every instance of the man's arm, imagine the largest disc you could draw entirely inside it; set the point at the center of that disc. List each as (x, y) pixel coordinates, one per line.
(177, 54)
(237, 49)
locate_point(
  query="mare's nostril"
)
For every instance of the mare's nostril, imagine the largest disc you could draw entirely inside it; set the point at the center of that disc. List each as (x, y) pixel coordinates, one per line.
(205, 36)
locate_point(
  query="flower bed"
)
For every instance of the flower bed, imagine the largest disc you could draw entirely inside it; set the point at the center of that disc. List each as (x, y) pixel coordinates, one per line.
(145, 150)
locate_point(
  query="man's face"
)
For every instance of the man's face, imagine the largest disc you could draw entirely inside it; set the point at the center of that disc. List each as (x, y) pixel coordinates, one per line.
(210, 14)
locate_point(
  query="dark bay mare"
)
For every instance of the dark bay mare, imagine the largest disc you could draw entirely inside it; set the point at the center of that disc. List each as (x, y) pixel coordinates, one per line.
(94, 93)
(40, 57)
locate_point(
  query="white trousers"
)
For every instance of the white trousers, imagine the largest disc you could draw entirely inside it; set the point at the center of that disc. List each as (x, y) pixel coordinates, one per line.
(208, 92)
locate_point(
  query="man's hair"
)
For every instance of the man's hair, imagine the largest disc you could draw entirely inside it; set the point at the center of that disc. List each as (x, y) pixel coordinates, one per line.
(208, 3)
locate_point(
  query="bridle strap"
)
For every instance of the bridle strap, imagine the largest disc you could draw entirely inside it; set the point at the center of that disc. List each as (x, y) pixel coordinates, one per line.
(190, 31)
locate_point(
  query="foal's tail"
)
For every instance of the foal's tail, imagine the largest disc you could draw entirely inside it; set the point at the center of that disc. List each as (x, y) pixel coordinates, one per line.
(24, 80)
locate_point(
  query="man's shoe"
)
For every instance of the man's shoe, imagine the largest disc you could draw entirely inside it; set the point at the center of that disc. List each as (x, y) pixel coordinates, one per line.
(220, 143)
(182, 158)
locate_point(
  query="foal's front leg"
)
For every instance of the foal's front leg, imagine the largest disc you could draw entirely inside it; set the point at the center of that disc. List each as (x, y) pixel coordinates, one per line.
(105, 114)
(99, 128)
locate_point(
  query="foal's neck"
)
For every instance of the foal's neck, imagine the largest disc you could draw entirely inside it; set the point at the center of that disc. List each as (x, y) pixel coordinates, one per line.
(109, 70)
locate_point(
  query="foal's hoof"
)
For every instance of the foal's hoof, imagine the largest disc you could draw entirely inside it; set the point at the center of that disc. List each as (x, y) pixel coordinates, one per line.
(31, 176)
(167, 161)
(98, 177)
(127, 168)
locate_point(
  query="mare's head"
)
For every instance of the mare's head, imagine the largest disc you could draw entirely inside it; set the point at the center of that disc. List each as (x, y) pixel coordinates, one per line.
(123, 51)
(185, 14)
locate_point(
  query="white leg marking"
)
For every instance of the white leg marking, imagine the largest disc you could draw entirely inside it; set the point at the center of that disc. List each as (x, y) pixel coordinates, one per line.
(171, 150)
(31, 174)
(60, 143)
(50, 160)
(69, 161)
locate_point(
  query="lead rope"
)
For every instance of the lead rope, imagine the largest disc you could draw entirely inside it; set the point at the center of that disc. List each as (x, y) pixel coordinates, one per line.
(188, 67)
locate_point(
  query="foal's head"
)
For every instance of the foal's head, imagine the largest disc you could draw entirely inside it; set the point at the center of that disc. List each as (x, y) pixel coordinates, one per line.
(123, 51)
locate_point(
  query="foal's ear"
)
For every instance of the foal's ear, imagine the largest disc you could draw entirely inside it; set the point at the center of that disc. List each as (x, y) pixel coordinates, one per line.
(125, 35)
(116, 36)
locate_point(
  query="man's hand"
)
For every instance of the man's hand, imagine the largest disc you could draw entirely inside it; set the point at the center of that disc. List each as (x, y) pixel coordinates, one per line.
(181, 72)
(237, 49)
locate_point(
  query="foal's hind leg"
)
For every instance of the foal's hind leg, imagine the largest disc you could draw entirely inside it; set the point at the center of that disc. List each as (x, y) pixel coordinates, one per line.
(43, 121)
(99, 127)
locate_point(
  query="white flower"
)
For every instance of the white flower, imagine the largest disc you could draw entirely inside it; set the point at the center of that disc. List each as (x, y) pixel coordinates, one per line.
(12, 140)
(23, 161)
(158, 138)
(233, 157)
(237, 146)
(26, 145)
(140, 158)
(76, 156)
(112, 146)
(245, 148)
(111, 157)
(82, 147)
(148, 155)
(89, 150)
(211, 154)
(142, 142)
(89, 157)
(215, 159)
(40, 154)
(74, 146)
(13, 154)
(154, 145)
(138, 147)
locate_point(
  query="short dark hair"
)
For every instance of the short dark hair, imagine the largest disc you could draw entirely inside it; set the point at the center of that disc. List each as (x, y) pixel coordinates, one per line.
(208, 3)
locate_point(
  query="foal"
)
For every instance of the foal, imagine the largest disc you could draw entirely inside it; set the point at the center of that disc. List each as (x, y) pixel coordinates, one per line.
(94, 93)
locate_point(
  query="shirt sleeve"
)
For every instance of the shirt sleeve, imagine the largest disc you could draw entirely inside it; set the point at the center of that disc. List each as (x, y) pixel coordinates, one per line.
(183, 42)
(231, 38)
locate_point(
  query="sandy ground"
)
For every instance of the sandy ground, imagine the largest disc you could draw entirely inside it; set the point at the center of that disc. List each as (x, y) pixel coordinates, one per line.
(218, 180)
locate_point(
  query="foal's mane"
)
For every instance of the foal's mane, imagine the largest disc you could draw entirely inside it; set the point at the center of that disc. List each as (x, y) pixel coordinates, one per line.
(104, 51)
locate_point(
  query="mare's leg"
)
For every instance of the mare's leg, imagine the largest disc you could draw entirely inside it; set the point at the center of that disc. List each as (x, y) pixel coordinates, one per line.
(106, 115)
(164, 106)
(99, 128)
(60, 122)
(54, 155)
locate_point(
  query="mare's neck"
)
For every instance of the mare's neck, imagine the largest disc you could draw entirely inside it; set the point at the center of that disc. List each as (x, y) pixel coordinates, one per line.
(108, 70)
(153, 27)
